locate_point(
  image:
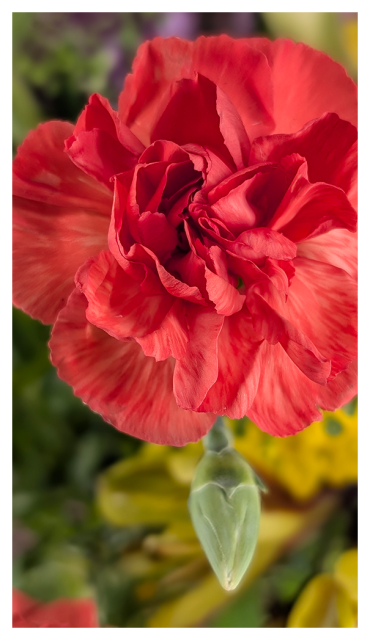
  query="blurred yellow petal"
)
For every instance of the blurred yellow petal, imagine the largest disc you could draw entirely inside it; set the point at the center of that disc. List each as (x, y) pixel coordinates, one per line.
(316, 605)
(346, 572)
(312, 28)
(141, 491)
(183, 531)
(187, 610)
(138, 564)
(181, 463)
(350, 40)
(347, 611)
(168, 544)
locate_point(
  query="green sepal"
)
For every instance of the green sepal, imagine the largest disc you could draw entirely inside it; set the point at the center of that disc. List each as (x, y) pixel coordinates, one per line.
(224, 505)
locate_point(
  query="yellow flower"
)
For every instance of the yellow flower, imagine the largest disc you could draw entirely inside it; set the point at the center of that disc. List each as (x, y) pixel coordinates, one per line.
(172, 580)
(324, 454)
(329, 600)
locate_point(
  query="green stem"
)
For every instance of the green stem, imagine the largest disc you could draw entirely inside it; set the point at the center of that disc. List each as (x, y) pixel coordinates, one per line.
(219, 437)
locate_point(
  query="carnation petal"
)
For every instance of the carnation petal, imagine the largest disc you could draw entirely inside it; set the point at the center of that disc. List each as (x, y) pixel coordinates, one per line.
(306, 84)
(322, 301)
(225, 296)
(102, 145)
(238, 368)
(131, 256)
(324, 143)
(340, 390)
(308, 210)
(275, 328)
(239, 70)
(156, 65)
(268, 243)
(98, 114)
(190, 116)
(346, 177)
(171, 338)
(338, 247)
(155, 232)
(197, 371)
(131, 391)
(243, 74)
(116, 303)
(232, 129)
(286, 399)
(100, 155)
(60, 219)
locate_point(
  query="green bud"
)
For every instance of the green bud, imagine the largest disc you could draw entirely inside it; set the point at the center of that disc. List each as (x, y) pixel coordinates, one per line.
(224, 505)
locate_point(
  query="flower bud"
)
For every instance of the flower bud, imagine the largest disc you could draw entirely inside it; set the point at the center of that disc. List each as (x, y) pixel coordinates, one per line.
(224, 505)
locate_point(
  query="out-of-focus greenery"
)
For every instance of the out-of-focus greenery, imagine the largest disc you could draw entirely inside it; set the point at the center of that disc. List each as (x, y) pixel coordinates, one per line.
(98, 513)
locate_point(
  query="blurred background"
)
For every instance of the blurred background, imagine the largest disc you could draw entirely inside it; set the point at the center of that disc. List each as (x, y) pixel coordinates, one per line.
(100, 514)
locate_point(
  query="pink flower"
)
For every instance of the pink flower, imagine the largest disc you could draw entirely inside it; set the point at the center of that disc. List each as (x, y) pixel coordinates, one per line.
(196, 250)
(59, 613)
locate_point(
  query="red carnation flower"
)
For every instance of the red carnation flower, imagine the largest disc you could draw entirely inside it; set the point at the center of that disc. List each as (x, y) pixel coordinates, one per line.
(196, 250)
(59, 613)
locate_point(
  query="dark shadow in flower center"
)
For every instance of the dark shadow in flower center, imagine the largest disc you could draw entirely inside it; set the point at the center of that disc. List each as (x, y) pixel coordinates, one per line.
(182, 241)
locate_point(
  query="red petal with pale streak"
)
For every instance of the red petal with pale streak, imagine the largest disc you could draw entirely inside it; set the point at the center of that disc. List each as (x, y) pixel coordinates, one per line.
(177, 288)
(190, 268)
(63, 612)
(235, 211)
(239, 70)
(340, 390)
(157, 64)
(286, 399)
(306, 83)
(171, 338)
(269, 243)
(233, 181)
(116, 302)
(130, 390)
(275, 328)
(225, 296)
(311, 210)
(242, 73)
(42, 171)
(98, 114)
(99, 155)
(238, 368)
(232, 130)
(338, 248)
(324, 143)
(322, 301)
(197, 371)
(60, 219)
